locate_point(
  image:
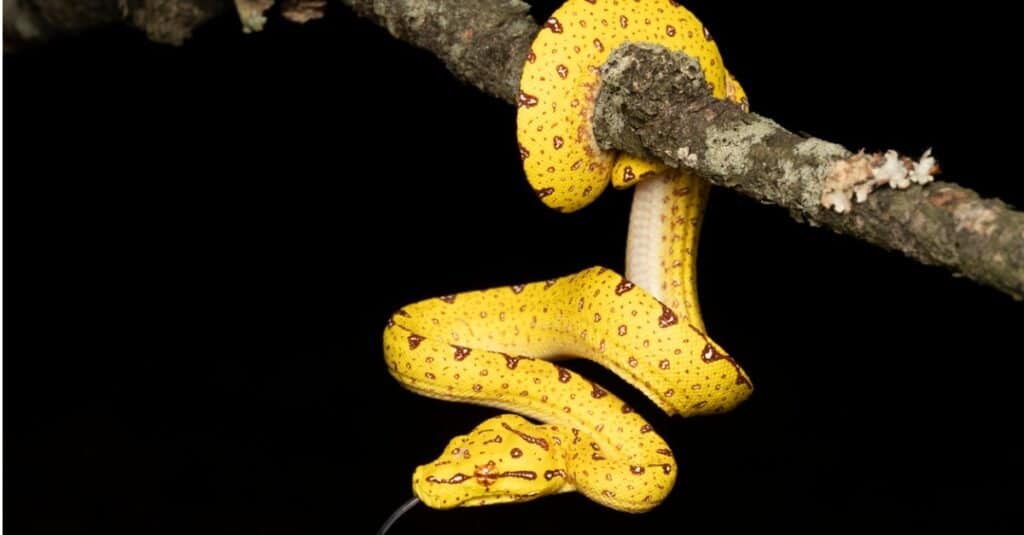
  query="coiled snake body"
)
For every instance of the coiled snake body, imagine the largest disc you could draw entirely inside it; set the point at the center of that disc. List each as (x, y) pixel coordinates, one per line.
(495, 347)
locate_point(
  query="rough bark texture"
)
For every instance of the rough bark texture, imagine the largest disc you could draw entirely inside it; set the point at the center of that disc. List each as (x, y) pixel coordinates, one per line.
(481, 41)
(654, 103)
(164, 21)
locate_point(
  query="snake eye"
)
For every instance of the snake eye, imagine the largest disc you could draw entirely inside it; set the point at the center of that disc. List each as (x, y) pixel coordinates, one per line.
(486, 474)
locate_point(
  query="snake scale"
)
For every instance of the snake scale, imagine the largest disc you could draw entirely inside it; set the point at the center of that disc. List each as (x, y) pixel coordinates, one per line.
(499, 346)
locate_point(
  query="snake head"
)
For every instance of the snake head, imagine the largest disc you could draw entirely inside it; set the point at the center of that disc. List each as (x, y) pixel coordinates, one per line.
(504, 459)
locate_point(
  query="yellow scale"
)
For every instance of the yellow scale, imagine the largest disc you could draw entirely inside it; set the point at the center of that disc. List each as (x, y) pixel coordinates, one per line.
(495, 347)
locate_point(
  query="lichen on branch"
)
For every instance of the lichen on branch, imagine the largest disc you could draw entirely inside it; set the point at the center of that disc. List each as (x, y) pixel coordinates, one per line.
(164, 21)
(651, 104)
(654, 102)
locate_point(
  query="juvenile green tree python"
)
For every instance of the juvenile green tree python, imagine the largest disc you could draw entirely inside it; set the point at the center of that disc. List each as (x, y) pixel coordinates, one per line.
(495, 347)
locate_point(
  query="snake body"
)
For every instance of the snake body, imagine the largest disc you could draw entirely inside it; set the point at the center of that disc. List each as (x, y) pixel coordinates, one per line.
(495, 347)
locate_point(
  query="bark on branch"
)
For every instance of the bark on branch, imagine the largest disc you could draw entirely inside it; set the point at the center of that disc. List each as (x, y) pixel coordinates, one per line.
(164, 21)
(654, 103)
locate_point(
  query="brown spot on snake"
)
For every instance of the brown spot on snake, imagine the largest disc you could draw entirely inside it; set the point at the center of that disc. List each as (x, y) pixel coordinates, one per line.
(710, 354)
(511, 362)
(624, 286)
(526, 101)
(523, 474)
(461, 352)
(627, 174)
(667, 317)
(666, 468)
(553, 25)
(414, 341)
(532, 440)
(454, 480)
(549, 474)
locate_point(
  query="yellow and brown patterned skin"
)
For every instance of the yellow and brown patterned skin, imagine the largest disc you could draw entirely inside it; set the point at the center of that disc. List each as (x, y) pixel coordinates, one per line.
(494, 347)
(491, 347)
(561, 78)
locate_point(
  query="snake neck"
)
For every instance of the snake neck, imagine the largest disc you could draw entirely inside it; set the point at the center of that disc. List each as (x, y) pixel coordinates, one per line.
(661, 247)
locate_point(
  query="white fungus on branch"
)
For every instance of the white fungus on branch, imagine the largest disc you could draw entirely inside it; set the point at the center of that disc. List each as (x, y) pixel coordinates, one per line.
(857, 176)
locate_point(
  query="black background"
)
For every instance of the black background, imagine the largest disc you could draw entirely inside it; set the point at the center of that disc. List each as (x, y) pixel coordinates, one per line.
(204, 243)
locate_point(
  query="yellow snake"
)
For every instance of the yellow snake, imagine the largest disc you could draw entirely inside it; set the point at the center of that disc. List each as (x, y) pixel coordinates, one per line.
(494, 347)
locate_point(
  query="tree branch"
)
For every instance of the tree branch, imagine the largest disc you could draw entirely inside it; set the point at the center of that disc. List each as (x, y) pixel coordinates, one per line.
(482, 42)
(164, 21)
(654, 103)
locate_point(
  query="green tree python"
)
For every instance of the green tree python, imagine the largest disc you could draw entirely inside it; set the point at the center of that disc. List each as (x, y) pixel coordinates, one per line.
(496, 347)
